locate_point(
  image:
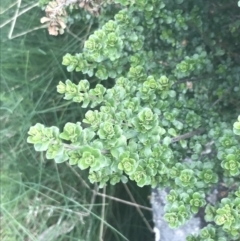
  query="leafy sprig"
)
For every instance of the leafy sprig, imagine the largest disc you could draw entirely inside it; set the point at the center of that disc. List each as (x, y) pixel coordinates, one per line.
(158, 124)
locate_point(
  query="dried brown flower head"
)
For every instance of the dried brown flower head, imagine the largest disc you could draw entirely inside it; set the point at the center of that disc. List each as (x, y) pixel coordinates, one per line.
(56, 13)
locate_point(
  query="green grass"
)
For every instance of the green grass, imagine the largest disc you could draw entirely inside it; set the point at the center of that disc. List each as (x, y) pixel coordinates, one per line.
(41, 200)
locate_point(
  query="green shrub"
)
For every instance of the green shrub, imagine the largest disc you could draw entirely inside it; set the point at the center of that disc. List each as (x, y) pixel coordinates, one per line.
(168, 119)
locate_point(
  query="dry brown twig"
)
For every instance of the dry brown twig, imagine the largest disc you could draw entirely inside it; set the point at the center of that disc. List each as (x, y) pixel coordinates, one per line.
(56, 13)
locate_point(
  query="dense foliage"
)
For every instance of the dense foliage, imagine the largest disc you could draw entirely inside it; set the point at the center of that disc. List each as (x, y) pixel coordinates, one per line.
(169, 120)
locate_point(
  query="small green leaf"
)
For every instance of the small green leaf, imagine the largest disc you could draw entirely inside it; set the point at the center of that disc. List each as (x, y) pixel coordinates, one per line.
(172, 132)
(167, 140)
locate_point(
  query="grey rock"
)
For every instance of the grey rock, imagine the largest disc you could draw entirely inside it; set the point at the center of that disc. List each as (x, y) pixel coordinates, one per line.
(162, 231)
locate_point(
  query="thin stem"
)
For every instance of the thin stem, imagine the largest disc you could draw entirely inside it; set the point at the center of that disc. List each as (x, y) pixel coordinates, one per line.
(188, 135)
(102, 215)
(138, 209)
(29, 31)
(14, 20)
(222, 97)
(19, 14)
(105, 195)
(75, 172)
(125, 202)
(10, 6)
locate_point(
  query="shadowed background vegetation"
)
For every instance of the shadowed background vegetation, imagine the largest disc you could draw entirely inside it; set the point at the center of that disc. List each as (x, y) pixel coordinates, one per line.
(40, 200)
